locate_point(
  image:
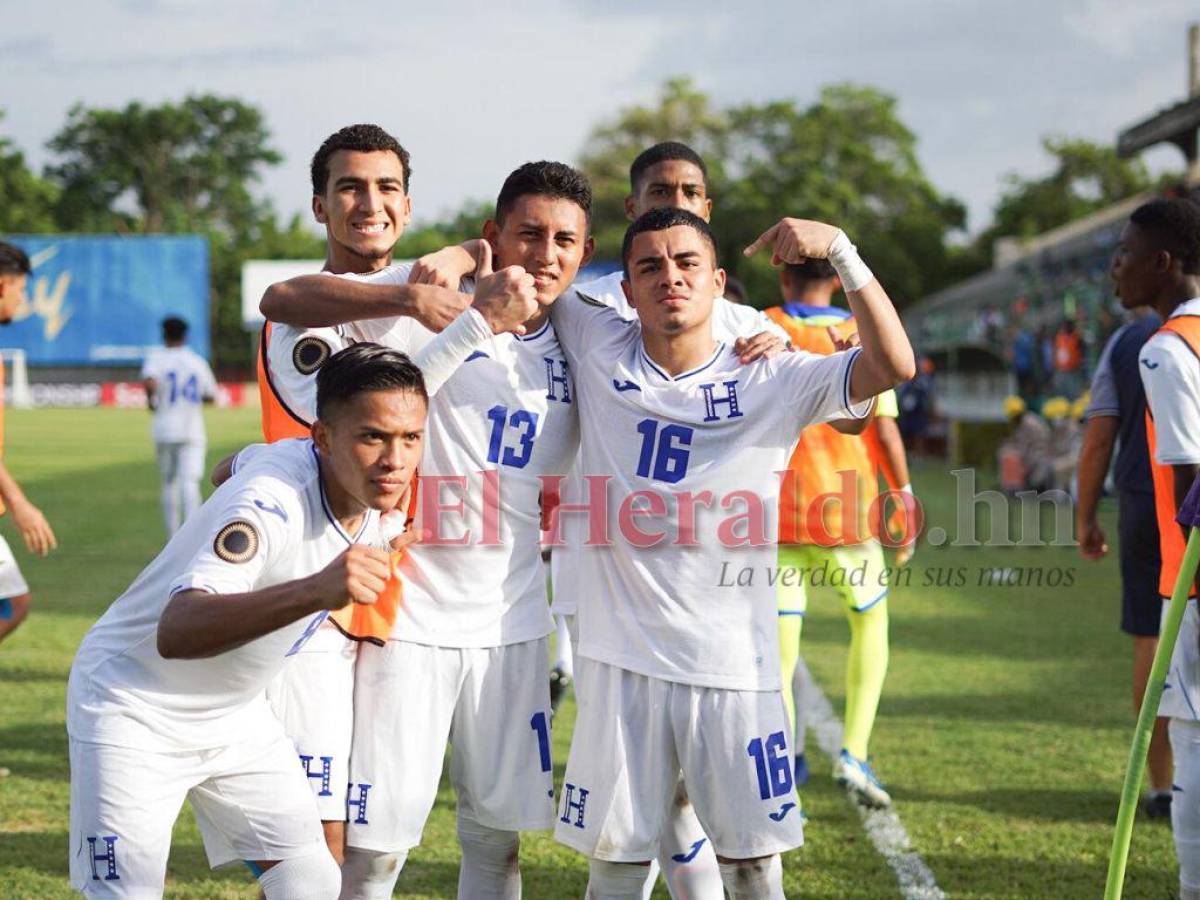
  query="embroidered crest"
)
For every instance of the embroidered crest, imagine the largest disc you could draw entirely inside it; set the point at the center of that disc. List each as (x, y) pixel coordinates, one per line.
(237, 542)
(309, 354)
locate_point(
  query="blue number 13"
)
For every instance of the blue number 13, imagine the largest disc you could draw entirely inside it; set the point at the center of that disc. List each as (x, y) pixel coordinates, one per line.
(522, 419)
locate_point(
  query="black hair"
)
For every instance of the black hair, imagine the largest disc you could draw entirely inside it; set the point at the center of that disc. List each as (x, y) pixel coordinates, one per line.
(661, 220)
(13, 260)
(664, 152)
(810, 270)
(361, 138)
(1174, 225)
(174, 329)
(546, 179)
(361, 368)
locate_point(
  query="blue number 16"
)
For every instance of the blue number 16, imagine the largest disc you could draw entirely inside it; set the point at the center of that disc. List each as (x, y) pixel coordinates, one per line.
(774, 770)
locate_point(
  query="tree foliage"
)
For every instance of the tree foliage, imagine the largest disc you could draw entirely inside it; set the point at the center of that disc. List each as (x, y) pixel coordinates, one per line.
(26, 200)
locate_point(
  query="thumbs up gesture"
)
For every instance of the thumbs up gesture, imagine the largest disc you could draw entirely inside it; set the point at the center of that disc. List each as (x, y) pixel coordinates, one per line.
(506, 299)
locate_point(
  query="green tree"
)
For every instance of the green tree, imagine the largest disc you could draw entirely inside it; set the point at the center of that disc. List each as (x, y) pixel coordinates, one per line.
(177, 167)
(1086, 177)
(847, 159)
(28, 201)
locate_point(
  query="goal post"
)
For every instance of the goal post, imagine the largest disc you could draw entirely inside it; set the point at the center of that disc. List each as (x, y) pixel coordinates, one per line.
(16, 381)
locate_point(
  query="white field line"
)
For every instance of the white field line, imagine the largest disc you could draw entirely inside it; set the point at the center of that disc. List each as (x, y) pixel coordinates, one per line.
(883, 826)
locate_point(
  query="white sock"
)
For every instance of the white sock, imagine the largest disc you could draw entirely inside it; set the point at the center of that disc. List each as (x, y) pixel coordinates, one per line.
(616, 881)
(490, 868)
(312, 877)
(689, 864)
(754, 879)
(800, 690)
(562, 646)
(369, 874)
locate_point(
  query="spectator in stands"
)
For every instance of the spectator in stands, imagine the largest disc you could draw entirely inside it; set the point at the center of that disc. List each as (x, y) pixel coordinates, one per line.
(1023, 356)
(916, 407)
(1116, 416)
(1024, 459)
(1068, 359)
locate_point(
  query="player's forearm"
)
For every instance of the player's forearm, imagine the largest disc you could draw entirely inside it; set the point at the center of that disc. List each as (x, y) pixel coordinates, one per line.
(10, 491)
(887, 356)
(197, 625)
(1095, 453)
(893, 459)
(441, 357)
(314, 301)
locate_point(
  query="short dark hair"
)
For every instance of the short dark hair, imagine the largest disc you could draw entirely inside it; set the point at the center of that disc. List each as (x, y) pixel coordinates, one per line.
(545, 179)
(664, 152)
(810, 270)
(174, 328)
(13, 260)
(361, 368)
(1174, 224)
(661, 220)
(361, 138)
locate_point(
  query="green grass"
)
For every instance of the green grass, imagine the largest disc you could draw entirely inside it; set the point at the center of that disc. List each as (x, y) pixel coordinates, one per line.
(1002, 734)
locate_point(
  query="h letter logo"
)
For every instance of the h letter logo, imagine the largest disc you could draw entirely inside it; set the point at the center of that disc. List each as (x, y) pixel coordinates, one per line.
(109, 856)
(570, 804)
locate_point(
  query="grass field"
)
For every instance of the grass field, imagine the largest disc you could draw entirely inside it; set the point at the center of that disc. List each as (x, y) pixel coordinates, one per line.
(1003, 731)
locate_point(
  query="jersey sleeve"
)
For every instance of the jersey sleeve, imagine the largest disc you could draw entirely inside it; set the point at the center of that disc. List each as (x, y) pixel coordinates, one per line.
(1104, 400)
(1171, 376)
(444, 353)
(294, 356)
(208, 381)
(150, 366)
(816, 388)
(579, 320)
(258, 527)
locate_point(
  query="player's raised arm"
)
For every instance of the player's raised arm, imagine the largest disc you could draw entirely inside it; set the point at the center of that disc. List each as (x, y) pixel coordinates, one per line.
(503, 301)
(887, 356)
(319, 300)
(197, 624)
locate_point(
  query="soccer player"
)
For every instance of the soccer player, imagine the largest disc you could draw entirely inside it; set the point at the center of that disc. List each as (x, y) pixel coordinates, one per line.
(678, 657)
(466, 660)
(165, 699)
(360, 179)
(1157, 264)
(815, 534)
(1116, 414)
(178, 380)
(36, 531)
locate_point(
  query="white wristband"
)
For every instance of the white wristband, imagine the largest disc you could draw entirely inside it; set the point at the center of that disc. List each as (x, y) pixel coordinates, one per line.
(844, 257)
(905, 488)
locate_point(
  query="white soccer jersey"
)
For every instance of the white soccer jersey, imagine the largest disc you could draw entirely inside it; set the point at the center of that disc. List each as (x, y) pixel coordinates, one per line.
(1171, 376)
(730, 322)
(502, 420)
(183, 379)
(268, 524)
(680, 587)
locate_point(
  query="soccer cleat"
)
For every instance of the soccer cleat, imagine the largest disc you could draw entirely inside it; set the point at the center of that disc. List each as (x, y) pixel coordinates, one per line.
(559, 682)
(858, 778)
(1157, 805)
(800, 770)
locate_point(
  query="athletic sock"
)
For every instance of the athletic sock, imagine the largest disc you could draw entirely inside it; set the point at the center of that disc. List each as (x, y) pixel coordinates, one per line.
(866, 668)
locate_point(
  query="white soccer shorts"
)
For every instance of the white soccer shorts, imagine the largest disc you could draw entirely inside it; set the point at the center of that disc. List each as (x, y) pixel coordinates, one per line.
(492, 704)
(1185, 803)
(633, 735)
(314, 699)
(180, 462)
(1181, 693)
(250, 798)
(12, 582)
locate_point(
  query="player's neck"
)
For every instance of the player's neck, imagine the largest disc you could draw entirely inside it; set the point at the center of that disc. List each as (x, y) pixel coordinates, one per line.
(1167, 302)
(347, 510)
(812, 298)
(537, 321)
(682, 352)
(341, 261)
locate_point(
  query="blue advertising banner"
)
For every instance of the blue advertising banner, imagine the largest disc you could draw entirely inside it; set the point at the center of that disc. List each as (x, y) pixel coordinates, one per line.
(100, 300)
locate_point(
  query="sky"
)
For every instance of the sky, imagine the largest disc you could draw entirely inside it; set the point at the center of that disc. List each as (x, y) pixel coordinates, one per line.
(475, 89)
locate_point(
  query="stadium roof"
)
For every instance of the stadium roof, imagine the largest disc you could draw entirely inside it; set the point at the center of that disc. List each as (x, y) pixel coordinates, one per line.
(1176, 124)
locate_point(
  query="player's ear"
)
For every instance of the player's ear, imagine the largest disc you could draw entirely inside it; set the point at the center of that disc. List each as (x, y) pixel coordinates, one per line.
(630, 208)
(719, 282)
(320, 436)
(318, 208)
(407, 209)
(589, 247)
(707, 209)
(491, 233)
(628, 289)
